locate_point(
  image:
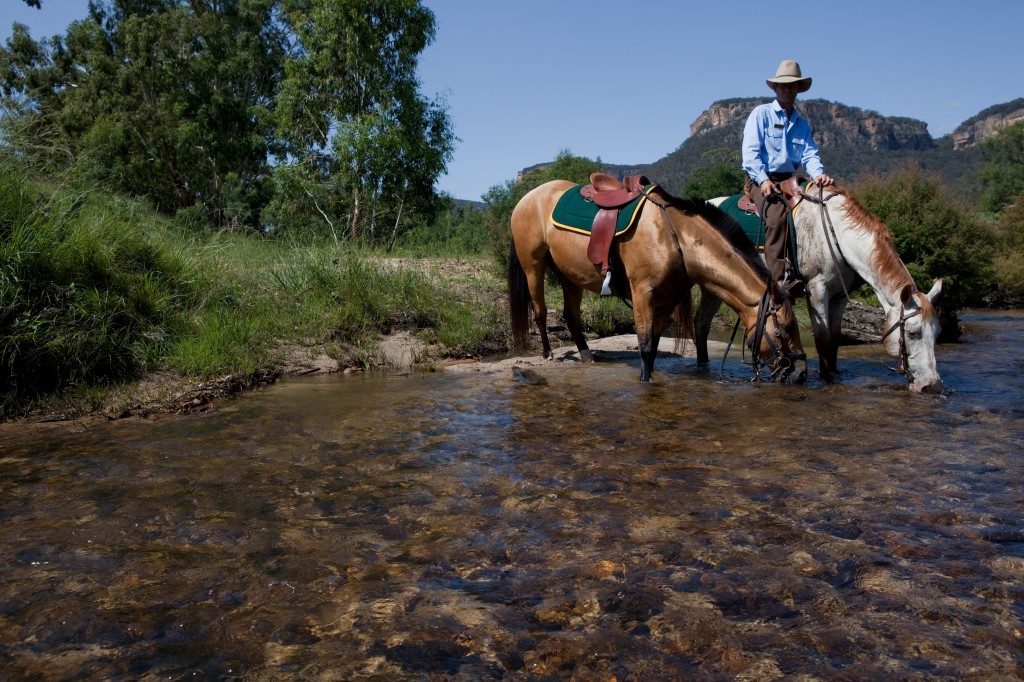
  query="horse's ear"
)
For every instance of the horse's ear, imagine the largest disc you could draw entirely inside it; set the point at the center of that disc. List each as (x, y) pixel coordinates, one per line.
(936, 290)
(906, 293)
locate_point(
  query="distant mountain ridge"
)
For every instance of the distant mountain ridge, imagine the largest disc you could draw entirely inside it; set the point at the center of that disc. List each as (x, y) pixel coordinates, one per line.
(854, 142)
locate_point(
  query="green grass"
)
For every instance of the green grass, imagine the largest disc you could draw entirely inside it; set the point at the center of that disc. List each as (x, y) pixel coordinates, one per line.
(97, 291)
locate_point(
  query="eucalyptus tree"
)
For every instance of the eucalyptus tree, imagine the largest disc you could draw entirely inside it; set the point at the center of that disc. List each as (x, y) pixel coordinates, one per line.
(361, 144)
(227, 106)
(160, 98)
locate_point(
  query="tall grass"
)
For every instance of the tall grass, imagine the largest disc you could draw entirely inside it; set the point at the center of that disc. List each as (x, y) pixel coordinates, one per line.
(83, 296)
(97, 291)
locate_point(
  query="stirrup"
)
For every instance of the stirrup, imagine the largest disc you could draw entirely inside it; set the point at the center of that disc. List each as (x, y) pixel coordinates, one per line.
(605, 288)
(791, 289)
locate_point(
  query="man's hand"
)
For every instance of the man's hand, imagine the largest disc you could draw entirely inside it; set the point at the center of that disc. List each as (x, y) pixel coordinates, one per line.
(768, 188)
(823, 180)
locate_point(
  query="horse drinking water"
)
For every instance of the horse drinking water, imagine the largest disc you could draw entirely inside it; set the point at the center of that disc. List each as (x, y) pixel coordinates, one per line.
(670, 247)
(837, 241)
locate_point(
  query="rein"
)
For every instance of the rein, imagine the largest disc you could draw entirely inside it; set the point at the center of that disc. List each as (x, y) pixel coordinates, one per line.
(827, 227)
(752, 339)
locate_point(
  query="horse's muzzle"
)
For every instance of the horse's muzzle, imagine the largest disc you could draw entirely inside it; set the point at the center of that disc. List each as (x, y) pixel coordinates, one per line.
(931, 388)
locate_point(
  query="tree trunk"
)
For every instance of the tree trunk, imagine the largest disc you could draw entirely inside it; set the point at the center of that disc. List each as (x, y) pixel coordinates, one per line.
(357, 214)
(861, 324)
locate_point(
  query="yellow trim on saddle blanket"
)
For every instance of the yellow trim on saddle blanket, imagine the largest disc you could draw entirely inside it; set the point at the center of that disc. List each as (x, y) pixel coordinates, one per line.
(794, 209)
(640, 200)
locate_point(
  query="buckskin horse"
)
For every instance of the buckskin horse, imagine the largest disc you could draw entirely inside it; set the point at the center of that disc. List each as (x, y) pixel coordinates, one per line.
(672, 246)
(837, 242)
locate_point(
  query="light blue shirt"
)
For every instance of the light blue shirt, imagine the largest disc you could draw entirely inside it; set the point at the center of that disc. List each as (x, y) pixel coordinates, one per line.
(773, 144)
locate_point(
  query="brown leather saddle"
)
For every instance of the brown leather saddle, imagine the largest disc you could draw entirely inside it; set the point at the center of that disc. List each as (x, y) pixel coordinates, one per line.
(610, 195)
(792, 190)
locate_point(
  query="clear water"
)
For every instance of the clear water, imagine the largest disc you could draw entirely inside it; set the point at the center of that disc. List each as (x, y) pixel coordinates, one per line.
(584, 526)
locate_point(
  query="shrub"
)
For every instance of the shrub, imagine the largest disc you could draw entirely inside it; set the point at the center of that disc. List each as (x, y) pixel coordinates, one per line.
(934, 235)
(85, 297)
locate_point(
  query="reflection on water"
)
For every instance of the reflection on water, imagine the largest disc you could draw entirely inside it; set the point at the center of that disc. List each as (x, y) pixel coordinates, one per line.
(480, 527)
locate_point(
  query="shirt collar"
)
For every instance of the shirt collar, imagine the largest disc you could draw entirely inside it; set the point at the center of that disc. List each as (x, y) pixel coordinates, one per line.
(781, 113)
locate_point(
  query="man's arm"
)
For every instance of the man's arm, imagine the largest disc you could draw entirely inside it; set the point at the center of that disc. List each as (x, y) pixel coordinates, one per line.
(753, 144)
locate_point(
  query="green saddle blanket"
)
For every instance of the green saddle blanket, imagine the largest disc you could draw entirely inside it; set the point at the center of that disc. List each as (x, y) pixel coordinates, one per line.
(574, 213)
(750, 222)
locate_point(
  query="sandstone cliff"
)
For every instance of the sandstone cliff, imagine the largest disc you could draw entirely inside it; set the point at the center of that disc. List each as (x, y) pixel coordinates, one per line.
(987, 123)
(835, 125)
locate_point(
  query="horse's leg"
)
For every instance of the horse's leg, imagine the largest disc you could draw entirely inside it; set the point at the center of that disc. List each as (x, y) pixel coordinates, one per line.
(709, 305)
(825, 342)
(535, 272)
(572, 297)
(649, 326)
(836, 308)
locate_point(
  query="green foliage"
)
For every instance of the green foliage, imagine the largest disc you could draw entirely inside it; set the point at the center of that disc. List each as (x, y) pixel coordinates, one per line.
(1009, 261)
(606, 315)
(186, 104)
(351, 117)
(935, 236)
(1010, 225)
(84, 295)
(97, 292)
(459, 231)
(1003, 174)
(161, 99)
(721, 179)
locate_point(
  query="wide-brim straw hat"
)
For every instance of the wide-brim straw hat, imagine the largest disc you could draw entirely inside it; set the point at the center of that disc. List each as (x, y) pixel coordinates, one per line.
(789, 72)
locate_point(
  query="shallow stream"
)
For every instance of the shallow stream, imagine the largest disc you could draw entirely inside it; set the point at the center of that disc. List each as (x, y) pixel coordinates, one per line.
(569, 524)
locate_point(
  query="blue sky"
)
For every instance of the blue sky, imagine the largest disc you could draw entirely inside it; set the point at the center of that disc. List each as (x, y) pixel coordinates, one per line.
(624, 81)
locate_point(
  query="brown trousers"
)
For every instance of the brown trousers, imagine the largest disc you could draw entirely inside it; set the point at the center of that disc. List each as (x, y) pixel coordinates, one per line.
(776, 233)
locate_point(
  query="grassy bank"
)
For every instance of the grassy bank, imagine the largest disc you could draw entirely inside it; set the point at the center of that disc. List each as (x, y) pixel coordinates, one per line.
(98, 292)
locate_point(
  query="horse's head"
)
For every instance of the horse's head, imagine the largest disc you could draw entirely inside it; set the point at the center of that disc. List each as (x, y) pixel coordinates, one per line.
(777, 338)
(910, 332)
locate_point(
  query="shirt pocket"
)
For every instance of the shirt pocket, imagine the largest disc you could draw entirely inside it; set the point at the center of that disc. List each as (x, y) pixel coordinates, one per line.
(774, 142)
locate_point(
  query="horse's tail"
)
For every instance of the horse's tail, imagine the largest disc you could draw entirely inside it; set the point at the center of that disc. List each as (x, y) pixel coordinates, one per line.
(682, 319)
(518, 300)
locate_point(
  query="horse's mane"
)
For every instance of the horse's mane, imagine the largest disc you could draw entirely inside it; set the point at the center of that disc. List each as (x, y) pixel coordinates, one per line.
(887, 258)
(725, 225)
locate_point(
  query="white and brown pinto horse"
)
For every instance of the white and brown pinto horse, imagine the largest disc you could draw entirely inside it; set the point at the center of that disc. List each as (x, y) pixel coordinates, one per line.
(837, 241)
(673, 245)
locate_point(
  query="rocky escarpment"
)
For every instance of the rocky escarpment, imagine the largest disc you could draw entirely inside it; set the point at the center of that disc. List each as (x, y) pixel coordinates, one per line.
(987, 123)
(835, 125)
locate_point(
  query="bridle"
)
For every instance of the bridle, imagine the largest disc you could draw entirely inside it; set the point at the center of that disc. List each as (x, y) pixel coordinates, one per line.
(785, 363)
(767, 308)
(904, 356)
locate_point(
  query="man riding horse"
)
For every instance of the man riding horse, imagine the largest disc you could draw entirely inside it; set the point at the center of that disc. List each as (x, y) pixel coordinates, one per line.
(777, 140)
